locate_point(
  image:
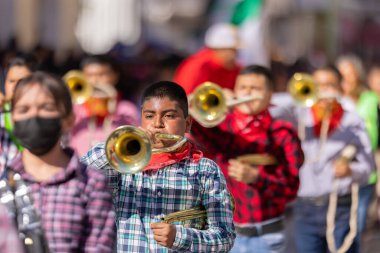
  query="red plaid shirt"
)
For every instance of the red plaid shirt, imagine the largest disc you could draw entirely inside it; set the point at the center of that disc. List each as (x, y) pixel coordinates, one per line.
(254, 134)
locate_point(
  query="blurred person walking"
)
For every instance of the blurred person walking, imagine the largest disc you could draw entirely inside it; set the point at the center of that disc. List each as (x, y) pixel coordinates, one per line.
(71, 200)
(105, 109)
(359, 99)
(328, 129)
(215, 63)
(263, 185)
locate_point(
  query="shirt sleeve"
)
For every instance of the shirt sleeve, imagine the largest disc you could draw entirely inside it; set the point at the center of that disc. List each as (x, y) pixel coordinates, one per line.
(217, 200)
(363, 163)
(96, 158)
(9, 241)
(101, 216)
(283, 181)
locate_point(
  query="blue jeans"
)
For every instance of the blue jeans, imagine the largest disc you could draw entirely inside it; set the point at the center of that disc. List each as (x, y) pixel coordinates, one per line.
(310, 227)
(365, 196)
(268, 243)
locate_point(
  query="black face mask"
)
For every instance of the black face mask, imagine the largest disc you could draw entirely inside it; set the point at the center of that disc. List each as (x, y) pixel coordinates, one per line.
(38, 135)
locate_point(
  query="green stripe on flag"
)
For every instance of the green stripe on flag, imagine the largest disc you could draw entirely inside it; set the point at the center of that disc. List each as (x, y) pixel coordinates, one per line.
(244, 10)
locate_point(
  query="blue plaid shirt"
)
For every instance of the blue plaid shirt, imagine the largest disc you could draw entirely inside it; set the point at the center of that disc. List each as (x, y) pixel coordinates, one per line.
(143, 198)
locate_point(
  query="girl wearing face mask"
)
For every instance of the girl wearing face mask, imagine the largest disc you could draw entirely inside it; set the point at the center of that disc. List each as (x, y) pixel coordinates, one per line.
(71, 199)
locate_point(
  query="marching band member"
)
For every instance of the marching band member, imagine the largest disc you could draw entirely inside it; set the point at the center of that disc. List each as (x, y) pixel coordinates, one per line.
(171, 182)
(261, 190)
(71, 199)
(105, 110)
(329, 128)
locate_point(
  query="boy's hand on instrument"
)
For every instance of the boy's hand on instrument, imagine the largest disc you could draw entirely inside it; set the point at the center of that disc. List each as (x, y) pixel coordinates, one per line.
(164, 233)
(242, 172)
(342, 169)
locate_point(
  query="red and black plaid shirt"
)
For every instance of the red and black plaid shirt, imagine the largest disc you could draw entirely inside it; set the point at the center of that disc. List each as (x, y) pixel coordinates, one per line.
(256, 134)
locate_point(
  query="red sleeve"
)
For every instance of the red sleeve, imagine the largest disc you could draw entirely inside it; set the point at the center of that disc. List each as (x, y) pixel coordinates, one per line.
(280, 182)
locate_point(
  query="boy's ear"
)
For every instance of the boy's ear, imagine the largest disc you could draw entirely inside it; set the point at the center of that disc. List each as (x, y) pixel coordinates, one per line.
(189, 121)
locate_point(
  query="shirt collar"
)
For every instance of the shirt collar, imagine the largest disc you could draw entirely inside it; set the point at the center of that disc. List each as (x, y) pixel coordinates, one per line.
(242, 121)
(73, 167)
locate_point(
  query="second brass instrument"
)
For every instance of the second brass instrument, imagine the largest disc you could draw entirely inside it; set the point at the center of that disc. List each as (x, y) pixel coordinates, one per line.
(79, 88)
(303, 89)
(208, 105)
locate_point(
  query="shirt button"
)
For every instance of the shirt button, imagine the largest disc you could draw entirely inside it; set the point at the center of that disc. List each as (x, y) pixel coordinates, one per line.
(159, 193)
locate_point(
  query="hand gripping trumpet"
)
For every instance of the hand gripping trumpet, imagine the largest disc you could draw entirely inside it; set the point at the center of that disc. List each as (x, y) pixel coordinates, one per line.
(129, 149)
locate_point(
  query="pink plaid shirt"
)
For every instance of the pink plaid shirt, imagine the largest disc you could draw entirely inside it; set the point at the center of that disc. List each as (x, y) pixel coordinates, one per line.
(9, 240)
(84, 135)
(75, 207)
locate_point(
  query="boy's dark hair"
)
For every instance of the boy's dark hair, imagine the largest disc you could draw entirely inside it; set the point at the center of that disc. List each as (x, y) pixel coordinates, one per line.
(27, 61)
(101, 60)
(332, 68)
(167, 89)
(260, 70)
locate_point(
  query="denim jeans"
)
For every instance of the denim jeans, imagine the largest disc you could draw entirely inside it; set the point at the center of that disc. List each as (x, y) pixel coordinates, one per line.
(310, 227)
(268, 243)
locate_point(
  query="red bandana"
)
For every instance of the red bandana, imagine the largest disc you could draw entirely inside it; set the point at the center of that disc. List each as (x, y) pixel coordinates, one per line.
(318, 114)
(160, 160)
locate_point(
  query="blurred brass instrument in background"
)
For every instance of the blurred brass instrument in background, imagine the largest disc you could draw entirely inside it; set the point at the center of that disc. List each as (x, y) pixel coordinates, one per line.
(303, 89)
(129, 149)
(79, 88)
(208, 105)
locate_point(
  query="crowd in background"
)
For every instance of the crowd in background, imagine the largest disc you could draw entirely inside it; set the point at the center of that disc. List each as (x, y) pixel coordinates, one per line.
(355, 116)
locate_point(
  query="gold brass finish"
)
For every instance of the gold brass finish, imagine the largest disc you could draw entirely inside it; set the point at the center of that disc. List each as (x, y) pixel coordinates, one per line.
(303, 89)
(208, 105)
(79, 88)
(129, 149)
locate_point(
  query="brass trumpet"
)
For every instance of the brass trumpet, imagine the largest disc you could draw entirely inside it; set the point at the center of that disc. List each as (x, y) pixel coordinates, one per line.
(209, 106)
(79, 88)
(129, 149)
(303, 89)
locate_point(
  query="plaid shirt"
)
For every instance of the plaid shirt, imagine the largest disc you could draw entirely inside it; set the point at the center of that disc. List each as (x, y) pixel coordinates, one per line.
(276, 185)
(142, 198)
(8, 150)
(9, 240)
(75, 208)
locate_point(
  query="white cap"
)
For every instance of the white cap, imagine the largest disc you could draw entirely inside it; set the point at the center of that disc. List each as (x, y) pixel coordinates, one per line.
(222, 35)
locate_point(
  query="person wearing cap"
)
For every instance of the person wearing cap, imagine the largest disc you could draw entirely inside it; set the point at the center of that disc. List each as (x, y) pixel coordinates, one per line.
(215, 63)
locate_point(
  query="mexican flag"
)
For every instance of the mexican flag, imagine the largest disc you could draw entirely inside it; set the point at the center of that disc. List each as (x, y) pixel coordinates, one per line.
(247, 15)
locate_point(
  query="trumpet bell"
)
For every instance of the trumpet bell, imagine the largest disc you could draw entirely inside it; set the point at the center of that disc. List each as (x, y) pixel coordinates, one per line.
(128, 149)
(303, 89)
(208, 104)
(79, 88)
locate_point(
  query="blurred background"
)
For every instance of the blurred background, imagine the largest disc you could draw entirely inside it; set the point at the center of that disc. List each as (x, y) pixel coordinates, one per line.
(149, 38)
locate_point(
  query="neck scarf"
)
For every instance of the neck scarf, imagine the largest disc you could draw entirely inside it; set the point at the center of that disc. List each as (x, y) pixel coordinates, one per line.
(160, 160)
(319, 113)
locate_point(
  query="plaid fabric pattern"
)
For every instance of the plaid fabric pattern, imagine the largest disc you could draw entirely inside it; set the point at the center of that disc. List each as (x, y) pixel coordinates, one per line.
(8, 149)
(9, 240)
(75, 207)
(244, 134)
(143, 198)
